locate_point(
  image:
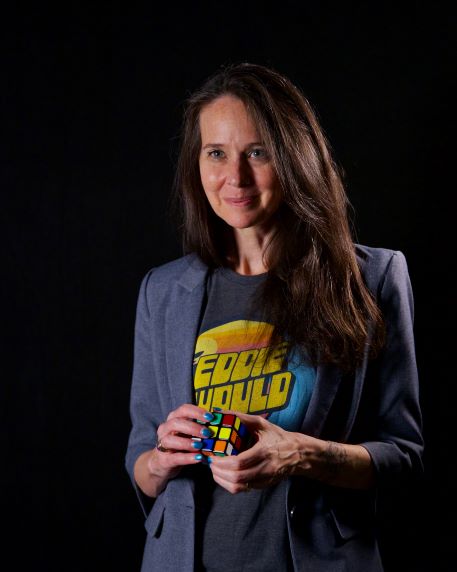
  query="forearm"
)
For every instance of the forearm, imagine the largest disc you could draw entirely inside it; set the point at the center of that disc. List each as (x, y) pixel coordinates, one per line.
(148, 475)
(336, 464)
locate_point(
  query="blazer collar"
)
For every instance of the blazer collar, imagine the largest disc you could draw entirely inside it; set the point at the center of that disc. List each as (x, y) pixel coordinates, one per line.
(195, 274)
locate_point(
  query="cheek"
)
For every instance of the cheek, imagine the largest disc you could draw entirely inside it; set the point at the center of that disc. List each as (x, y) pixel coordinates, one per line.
(208, 177)
(210, 188)
(266, 175)
(213, 178)
(270, 182)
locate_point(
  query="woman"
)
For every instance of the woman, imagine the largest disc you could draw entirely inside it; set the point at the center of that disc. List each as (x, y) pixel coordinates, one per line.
(277, 315)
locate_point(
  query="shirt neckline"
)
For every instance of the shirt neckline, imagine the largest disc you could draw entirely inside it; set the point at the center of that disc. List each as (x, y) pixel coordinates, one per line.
(246, 279)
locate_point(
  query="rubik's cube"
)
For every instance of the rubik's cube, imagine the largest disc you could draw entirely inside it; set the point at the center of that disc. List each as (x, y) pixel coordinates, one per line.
(229, 436)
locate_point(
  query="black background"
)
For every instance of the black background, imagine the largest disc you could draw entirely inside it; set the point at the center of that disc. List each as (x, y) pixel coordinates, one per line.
(91, 105)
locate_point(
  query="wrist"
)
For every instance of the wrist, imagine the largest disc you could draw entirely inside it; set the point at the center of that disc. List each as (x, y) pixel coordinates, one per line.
(335, 464)
(308, 454)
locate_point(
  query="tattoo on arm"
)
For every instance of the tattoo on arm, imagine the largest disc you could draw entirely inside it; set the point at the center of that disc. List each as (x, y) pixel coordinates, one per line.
(335, 458)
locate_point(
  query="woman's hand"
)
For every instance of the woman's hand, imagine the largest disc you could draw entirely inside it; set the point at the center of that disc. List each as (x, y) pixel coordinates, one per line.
(154, 468)
(272, 458)
(279, 453)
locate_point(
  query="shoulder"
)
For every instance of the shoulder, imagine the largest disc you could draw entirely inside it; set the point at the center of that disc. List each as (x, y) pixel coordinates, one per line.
(175, 269)
(371, 257)
(160, 281)
(380, 264)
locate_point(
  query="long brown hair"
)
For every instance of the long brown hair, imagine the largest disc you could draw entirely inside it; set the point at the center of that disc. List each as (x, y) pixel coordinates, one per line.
(314, 293)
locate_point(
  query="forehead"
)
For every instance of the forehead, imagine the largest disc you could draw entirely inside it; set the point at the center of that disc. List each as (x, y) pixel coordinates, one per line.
(226, 116)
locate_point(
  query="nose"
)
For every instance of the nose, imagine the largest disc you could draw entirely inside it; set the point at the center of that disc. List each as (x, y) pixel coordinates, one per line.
(239, 172)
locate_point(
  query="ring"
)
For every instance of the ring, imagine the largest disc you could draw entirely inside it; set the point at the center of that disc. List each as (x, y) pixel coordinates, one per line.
(160, 447)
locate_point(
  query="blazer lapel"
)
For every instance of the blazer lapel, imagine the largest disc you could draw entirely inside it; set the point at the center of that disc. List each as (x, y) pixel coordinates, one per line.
(182, 322)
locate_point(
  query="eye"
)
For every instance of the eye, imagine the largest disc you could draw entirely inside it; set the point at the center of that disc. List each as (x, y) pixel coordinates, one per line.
(258, 153)
(215, 154)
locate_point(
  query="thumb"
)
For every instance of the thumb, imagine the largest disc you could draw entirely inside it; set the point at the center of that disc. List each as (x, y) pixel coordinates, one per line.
(252, 422)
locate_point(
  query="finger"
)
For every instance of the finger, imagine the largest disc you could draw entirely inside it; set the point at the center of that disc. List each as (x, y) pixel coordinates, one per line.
(233, 488)
(259, 477)
(171, 460)
(179, 425)
(173, 442)
(233, 477)
(236, 476)
(252, 422)
(245, 460)
(190, 411)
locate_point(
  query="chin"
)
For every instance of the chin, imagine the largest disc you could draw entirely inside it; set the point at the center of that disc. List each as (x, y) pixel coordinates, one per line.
(241, 224)
(246, 221)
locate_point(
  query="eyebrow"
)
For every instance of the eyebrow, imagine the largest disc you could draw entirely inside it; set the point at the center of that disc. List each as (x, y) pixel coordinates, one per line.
(254, 144)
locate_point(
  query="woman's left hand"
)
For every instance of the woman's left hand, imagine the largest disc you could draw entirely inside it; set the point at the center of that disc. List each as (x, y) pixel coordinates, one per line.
(273, 457)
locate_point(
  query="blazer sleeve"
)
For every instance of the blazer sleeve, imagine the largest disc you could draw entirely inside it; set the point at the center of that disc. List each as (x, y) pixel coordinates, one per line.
(397, 448)
(143, 395)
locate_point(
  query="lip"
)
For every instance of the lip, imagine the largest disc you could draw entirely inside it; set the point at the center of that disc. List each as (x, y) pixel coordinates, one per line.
(241, 201)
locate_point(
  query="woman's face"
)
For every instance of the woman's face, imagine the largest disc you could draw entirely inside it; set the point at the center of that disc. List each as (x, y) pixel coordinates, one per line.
(236, 172)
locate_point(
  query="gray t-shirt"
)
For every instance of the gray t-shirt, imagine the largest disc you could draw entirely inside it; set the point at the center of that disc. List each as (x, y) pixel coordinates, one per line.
(247, 531)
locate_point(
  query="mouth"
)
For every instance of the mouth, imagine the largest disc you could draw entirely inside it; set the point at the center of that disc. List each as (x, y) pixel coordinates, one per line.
(241, 201)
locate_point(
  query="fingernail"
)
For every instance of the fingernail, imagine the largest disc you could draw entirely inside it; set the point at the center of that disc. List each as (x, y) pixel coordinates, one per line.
(199, 457)
(206, 432)
(197, 445)
(208, 416)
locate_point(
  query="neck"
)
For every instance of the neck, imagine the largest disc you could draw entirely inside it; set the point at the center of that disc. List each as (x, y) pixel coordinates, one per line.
(249, 246)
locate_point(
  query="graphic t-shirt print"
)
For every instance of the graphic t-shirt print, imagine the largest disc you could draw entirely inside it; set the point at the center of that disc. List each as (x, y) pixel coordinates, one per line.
(234, 370)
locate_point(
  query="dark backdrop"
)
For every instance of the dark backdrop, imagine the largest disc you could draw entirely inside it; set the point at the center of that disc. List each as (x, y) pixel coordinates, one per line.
(91, 109)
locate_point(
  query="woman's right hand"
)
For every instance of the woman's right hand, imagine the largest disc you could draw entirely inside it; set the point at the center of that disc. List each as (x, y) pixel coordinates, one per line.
(154, 468)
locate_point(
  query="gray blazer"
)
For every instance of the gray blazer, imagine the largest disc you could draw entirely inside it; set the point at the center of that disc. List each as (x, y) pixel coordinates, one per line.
(330, 529)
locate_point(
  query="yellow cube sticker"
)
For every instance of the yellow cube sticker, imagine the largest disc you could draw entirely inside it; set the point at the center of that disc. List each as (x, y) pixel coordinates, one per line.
(224, 433)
